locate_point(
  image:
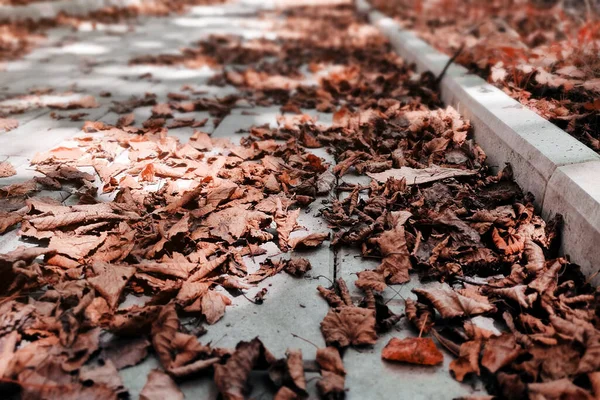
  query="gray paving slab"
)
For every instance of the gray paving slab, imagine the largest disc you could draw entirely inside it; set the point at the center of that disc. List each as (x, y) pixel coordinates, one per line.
(42, 134)
(369, 377)
(243, 119)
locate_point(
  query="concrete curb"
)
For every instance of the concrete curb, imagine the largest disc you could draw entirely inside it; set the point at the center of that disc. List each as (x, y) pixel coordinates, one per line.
(561, 172)
(50, 9)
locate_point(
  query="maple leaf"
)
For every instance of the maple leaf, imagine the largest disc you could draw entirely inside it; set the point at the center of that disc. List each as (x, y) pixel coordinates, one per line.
(370, 279)
(413, 351)
(193, 368)
(349, 326)
(8, 220)
(162, 110)
(546, 280)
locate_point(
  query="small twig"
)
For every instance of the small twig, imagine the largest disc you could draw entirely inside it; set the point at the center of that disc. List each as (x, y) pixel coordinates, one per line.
(589, 279)
(471, 282)
(306, 340)
(250, 300)
(438, 80)
(322, 276)
(370, 257)
(423, 326)
(444, 343)
(589, 11)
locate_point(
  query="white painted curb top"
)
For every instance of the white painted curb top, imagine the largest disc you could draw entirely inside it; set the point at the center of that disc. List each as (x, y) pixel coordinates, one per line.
(50, 9)
(562, 173)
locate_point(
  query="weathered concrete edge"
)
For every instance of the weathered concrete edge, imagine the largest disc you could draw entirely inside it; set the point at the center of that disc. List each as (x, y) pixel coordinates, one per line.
(51, 9)
(548, 162)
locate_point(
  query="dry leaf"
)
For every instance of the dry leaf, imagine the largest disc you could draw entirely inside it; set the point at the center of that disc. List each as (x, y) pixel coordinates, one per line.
(312, 240)
(467, 361)
(231, 378)
(450, 304)
(349, 326)
(213, 306)
(420, 176)
(413, 351)
(160, 386)
(6, 169)
(396, 264)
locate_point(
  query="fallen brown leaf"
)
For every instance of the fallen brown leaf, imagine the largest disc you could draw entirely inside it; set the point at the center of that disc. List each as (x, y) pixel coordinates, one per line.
(413, 351)
(349, 326)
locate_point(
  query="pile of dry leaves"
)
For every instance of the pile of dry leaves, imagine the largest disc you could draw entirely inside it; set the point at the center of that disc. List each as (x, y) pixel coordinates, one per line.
(184, 217)
(542, 53)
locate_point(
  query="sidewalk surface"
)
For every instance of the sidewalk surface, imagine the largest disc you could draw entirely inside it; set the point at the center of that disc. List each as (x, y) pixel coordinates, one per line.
(96, 61)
